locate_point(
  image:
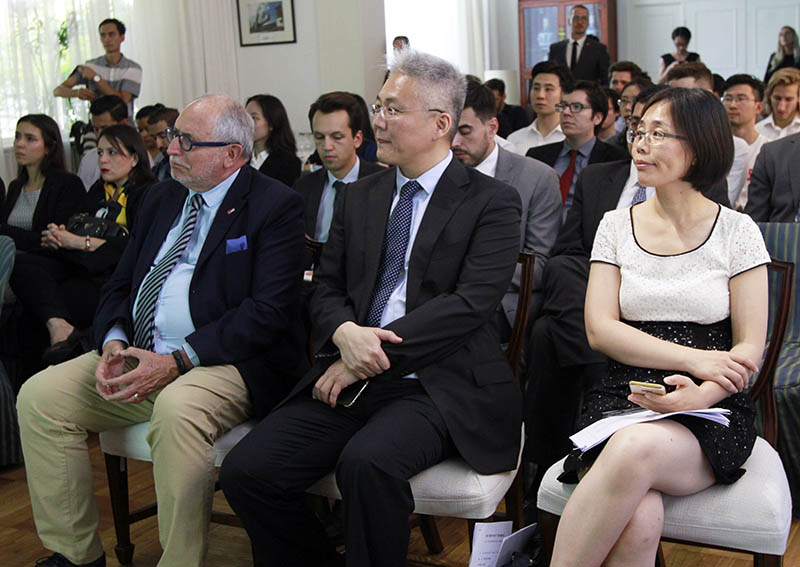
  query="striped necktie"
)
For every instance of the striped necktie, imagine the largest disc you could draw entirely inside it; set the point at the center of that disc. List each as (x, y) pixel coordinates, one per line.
(144, 317)
(640, 196)
(395, 243)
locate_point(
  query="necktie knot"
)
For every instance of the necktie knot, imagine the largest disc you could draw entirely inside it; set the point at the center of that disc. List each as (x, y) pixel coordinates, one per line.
(196, 202)
(408, 190)
(338, 184)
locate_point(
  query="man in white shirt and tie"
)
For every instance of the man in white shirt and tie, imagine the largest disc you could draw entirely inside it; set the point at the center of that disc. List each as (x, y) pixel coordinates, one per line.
(586, 58)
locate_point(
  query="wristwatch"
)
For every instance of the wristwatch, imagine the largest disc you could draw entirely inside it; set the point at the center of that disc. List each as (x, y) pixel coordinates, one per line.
(96, 78)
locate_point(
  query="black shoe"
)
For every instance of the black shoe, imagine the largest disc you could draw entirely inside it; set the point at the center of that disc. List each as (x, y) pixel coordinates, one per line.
(58, 560)
(63, 350)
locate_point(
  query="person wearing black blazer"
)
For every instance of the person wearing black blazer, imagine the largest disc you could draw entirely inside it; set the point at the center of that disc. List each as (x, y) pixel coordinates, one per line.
(592, 61)
(602, 152)
(283, 166)
(274, 147)
(206, 291)
(774, 193)
(40, 155)
(445, 388)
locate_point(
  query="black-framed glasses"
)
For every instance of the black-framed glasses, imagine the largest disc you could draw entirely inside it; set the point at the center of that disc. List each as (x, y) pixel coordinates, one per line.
(187, 144)
(574, 107)
(651, 138)
(388, 112)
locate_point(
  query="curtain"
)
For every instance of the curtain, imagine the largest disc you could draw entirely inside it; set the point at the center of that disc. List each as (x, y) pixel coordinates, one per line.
(186, 48)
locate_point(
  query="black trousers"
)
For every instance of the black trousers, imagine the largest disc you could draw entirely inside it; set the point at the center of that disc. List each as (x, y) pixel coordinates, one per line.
(392, 432)
(51, 286)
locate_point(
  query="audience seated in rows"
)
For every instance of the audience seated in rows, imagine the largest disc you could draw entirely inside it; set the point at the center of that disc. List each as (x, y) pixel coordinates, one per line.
(510, 117)
(582, 109)
(59, 284)
(439, 382)
(274, 150)
(157, 124)
(44, 191)
(694, 322)
(742, 98)
(783, 99)
(141, 126)
(696, 75)
(235, 240)
(105, 110)
(620, 74)
(548, 81)
(537, 184)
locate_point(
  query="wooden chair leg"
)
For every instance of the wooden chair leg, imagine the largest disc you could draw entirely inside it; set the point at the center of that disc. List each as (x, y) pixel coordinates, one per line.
(764, 560)
(515, 502)
(117, 473)
(430, 533)
(548, 524)
(660, 561)
(470, 531)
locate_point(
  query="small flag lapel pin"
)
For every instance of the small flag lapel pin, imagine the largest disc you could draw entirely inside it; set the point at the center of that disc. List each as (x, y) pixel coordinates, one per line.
(231, 211)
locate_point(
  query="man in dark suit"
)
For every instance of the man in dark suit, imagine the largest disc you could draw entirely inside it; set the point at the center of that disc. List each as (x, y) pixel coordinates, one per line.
(335, 120)
(196, 330)
(586, 59)
(775, 182)
(583, 108)
(561, 363)
(417, 261)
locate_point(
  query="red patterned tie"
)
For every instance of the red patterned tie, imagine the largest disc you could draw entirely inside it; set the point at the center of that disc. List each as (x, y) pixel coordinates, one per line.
(566, 178)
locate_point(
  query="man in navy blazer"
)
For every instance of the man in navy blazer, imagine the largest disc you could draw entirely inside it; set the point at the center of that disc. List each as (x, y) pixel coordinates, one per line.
(197, 330)
(446, 239)
(590, 61)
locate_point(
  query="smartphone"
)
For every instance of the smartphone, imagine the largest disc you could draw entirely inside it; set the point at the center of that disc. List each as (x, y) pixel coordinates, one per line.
(349, 395)
(647, 387)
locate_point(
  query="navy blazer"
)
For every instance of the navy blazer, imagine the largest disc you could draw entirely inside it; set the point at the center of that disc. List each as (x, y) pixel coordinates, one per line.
(461, 264)
(310, 187)
(62, 196)
(243, 303)
(592, 64)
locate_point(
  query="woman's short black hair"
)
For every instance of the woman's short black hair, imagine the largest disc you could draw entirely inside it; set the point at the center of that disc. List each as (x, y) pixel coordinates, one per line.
(699, 116)
(51, 136)
(683, 32)
(126, 139)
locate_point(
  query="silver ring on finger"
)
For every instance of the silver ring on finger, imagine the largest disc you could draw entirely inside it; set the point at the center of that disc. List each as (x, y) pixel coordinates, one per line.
(136, 396)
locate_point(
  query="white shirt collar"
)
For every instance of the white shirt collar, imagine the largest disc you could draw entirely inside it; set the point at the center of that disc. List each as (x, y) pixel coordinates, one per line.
(349, 177)
(430, 178)
(489, 164)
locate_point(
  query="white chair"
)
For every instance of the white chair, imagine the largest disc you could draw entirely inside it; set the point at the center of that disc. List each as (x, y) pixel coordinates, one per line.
(752, 515)
(450, 488)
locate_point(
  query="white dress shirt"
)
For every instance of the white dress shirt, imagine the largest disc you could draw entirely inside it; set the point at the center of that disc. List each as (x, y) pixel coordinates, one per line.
(327, 199)
(580, 41)
(257, 160)
(530, 137)
(489, 164)
(772, 131)
(741, 200)
(738, 172)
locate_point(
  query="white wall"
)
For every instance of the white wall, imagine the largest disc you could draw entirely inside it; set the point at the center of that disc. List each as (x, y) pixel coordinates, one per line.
(731, 36)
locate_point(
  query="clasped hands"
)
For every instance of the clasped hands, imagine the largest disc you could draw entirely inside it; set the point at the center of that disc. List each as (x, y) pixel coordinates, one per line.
(153, 372)
(362, 357)
(728, 369)
(57, 236)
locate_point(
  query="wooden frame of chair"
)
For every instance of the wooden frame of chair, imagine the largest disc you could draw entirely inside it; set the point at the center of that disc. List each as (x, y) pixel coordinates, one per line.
(762, 391)
(516, 493)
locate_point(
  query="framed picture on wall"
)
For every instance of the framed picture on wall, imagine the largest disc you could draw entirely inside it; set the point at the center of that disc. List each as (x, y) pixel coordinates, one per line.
(262, 22)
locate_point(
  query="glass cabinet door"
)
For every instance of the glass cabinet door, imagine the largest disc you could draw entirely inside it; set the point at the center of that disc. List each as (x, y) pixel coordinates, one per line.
(541, 29)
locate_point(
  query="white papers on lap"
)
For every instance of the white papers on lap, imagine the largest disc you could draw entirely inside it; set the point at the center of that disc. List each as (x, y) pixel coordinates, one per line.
(602, 429)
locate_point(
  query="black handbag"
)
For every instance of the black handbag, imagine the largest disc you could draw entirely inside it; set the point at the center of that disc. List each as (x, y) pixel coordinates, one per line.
(84, 224)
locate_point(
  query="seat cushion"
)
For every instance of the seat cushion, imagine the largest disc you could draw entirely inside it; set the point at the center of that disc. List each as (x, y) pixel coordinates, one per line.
(753, 514)
(131, 441)
(450, 488)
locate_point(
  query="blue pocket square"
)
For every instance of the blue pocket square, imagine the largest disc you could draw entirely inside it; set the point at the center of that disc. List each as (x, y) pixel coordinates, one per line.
(236, 244)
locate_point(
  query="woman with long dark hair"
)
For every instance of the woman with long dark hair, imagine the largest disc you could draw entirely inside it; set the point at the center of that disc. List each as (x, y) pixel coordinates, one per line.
(274, 147)
(44, 191)
(59, 285)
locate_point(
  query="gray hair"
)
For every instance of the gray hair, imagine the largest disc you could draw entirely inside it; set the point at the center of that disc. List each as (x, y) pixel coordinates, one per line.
(441, 84)
(232, 124)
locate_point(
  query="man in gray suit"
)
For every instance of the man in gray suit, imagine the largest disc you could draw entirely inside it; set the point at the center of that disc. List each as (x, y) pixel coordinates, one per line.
(775, 182)
(536, 183)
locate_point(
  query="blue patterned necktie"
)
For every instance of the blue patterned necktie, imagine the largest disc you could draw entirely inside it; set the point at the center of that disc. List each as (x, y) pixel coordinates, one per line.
(144, 317)
(393, 255)
(640, 196)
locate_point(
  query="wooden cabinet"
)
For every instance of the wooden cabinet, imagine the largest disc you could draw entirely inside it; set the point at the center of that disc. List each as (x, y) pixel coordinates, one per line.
(542, 22)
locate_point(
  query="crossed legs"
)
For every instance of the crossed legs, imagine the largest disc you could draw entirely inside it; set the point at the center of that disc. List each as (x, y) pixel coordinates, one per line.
(615, 515)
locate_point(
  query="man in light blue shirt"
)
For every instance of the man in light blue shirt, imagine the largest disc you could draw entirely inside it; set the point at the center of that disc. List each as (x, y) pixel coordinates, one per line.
(196, 332)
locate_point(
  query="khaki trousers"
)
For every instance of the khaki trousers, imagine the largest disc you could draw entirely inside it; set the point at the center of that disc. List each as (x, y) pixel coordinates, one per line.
(59, 406)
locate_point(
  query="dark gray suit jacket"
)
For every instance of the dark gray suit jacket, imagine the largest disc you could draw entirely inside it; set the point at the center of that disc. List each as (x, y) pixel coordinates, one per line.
(537, 185)
(774, 192)
(592, 64)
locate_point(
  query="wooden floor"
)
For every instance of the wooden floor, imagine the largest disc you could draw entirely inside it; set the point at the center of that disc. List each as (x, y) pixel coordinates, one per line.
(230, 547)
